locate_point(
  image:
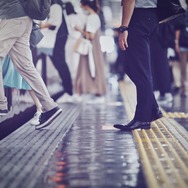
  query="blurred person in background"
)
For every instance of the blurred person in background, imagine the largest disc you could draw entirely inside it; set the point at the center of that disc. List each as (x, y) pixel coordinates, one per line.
(55, 32)
(181, 47)
(85, 83)
(160, 41)
(173, 59)
(72, 58)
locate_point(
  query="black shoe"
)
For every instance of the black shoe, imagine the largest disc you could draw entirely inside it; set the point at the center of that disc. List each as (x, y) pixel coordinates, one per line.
(3, 112)
(134, 124)
(48, 117)
(156, 114)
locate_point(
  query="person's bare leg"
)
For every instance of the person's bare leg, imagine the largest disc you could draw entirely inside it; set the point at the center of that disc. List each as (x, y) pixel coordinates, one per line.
(36, 100)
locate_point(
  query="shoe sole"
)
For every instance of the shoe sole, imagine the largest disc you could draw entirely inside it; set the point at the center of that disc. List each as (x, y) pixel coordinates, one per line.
(122, 128)
(34, 124)
(3, 114)
(49, 121)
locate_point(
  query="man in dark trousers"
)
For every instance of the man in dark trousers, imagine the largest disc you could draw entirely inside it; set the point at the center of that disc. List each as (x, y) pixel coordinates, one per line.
(139, 20)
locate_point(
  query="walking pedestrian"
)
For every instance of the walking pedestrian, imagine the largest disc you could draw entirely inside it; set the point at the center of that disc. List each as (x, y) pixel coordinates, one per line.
(139, 20)
(55, 32)
(58, 56)
(15, 29)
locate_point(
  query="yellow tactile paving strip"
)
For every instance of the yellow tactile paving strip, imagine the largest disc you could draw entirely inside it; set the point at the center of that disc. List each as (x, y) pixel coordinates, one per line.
(163, 158)
(176, 115)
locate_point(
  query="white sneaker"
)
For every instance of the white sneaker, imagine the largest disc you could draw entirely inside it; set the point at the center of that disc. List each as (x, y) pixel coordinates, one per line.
(97, 100)
(169, 97)
(66, 98)
(35, 119)
(100, 100)
(166, 98)
(77, 98)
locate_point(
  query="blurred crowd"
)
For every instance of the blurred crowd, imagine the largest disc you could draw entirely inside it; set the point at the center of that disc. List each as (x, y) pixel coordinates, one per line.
(84, 77)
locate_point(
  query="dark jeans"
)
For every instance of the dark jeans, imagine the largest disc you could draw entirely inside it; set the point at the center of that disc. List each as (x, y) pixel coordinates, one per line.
(58, 59)
(137, 61)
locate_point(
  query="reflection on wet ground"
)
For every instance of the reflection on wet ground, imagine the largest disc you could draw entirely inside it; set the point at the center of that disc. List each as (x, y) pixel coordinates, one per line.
(94, 155)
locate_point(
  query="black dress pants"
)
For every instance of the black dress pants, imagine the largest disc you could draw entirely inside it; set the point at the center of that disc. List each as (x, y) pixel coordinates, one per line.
(138, 63)
(58, 59)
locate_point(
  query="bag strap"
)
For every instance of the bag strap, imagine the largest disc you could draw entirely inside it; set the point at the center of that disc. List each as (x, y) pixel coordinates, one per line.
(63, 30)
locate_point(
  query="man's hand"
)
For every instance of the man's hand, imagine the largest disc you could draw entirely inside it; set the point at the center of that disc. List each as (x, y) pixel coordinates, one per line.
(123, 40)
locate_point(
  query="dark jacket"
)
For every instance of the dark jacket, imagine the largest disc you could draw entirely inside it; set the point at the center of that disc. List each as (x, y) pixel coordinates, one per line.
(11, 9)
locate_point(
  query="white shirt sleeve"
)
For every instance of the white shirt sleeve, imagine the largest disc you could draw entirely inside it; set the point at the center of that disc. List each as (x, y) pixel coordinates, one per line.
(55, 11)
(93, 23)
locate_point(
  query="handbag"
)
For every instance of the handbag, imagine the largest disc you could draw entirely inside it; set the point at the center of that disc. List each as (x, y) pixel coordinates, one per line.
(168, 10)
(82, 46)
(35, 36)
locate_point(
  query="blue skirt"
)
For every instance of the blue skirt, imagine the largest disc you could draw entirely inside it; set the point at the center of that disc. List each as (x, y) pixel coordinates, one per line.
(11, 77)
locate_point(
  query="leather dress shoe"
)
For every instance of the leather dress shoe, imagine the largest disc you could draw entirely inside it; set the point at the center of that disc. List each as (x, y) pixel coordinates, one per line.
(156, 114)
(134, 124)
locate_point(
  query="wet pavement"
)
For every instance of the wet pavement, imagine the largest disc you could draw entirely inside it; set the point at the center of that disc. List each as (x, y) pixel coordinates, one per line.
(94, 155)
(83, 150)
(179, 105)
